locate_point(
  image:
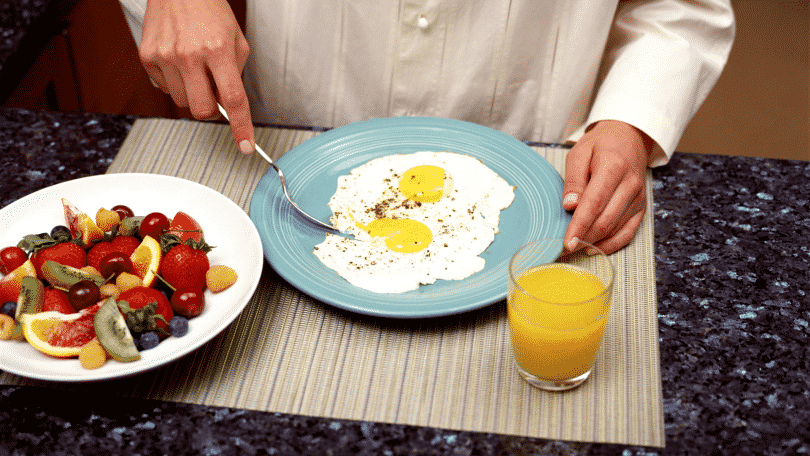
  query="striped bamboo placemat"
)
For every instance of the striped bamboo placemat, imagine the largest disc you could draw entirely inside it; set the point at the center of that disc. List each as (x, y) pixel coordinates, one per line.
(288, 353)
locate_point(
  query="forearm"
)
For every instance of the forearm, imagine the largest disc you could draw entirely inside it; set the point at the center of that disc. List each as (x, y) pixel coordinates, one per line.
(663, 58)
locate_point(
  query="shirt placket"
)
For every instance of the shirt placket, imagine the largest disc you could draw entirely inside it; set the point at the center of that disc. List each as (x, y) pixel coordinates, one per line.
(416, 75)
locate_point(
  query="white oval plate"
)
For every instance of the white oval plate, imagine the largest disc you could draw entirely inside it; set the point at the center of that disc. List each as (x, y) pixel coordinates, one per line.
(226, 226)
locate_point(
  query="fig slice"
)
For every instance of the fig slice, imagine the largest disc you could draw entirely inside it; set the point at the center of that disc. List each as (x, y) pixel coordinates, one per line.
(113, 333)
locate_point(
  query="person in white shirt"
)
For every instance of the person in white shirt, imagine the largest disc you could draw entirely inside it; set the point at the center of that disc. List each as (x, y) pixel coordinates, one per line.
(620, 78)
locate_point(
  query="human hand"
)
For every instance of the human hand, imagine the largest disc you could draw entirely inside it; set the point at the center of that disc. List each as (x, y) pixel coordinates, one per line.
(195, 51)
(605, 185)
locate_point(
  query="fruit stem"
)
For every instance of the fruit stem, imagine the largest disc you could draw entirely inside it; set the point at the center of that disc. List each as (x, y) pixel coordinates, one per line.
(163, 280)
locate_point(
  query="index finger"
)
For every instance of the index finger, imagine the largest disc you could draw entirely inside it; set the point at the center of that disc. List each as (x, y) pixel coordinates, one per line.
(593, 201)
(232, 96)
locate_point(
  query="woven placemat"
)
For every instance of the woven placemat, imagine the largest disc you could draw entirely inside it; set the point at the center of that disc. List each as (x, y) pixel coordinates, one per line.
(288, 353)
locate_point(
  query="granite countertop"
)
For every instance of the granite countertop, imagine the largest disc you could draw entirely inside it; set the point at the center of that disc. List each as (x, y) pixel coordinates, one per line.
(732, 265)
(16, 18)
(26, 27)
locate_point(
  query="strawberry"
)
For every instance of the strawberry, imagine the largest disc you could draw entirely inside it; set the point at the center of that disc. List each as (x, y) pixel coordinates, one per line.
(66, 253)
(121, 244)
(138, 298)
(56, 300)
(125, 244)
(184, 266)
(185, 227)
(98, 252)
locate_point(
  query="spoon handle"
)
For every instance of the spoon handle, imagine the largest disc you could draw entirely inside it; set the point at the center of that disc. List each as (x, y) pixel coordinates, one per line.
(258, 149)
(283, 181)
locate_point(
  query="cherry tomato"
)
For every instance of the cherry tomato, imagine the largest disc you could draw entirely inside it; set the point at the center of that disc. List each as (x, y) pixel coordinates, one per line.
(123, 211)
(83, 294)
(11, 258)
(114, 263)
(154, 225)
(188, 302)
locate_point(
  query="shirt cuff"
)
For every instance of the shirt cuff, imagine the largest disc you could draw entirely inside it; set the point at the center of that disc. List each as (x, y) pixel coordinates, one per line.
(134, 11)
(641, 115)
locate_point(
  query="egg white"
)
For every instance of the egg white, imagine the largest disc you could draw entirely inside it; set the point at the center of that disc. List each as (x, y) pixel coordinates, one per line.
(463, 222)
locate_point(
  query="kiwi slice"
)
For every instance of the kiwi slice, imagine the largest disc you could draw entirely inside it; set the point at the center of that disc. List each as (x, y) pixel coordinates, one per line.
(113, 334)
(63, 276)
(130, 225)
(32, 296)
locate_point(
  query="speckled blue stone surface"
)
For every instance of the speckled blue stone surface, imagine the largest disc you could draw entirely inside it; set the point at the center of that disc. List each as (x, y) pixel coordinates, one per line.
(733, 267)
(38, 149)
(733, 272)
(16, 17)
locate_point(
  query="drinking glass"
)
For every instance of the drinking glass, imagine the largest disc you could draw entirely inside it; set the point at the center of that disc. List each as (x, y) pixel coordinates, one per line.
(558, 304)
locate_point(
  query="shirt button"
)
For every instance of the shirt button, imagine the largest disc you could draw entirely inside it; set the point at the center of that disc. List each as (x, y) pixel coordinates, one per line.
(422, 22)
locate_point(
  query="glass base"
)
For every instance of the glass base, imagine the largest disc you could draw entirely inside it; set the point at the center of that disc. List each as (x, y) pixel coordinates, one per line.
(550, 385)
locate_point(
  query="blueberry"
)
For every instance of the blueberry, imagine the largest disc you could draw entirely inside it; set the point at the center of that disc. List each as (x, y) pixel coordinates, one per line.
(149, 340)
(9, 308)
(60, 231)
(178, 326)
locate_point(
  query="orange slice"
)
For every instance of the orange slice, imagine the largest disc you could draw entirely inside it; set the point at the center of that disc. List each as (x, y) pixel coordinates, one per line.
(10, 284)
(146, 260)
(39, 329)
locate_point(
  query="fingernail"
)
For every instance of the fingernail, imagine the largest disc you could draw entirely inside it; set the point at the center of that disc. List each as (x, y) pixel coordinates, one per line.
(572, 244)
(591, 251)
(245, 147)
(571, 198)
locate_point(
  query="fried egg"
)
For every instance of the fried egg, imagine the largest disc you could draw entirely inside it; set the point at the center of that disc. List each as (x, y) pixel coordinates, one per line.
(416, 218)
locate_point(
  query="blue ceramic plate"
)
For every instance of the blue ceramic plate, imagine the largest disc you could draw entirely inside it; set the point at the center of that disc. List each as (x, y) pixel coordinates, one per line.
(312, 170)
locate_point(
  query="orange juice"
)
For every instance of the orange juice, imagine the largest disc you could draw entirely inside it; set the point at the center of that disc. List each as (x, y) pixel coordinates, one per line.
(557, 315)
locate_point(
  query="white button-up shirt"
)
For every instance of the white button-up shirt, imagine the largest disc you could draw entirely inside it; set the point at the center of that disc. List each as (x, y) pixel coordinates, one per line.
(539, 70)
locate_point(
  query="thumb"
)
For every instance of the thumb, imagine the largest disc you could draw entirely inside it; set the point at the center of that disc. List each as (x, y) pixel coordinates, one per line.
(577, 173)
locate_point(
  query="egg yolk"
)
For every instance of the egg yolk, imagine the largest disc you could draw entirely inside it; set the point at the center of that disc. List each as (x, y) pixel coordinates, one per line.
(401, 235)
(423, 183)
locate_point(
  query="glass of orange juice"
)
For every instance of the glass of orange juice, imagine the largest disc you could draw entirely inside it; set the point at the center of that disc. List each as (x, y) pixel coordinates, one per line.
(558, 304)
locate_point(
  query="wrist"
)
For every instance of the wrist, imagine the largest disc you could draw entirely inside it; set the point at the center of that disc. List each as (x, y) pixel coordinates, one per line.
(624, 131)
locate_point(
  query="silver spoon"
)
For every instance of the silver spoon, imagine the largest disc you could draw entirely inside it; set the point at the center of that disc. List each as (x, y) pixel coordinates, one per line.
(283, 182)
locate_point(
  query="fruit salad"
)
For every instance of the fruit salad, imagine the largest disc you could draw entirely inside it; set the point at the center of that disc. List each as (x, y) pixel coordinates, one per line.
(107, 286)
